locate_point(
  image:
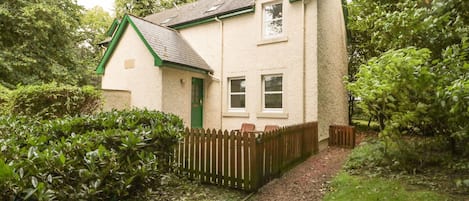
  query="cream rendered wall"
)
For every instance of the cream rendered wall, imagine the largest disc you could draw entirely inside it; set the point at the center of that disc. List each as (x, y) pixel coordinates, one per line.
(314, 53)
(248, 55)
(332, 55)
(235, 48)
(143, 80)
(177, 93)
(206, 39)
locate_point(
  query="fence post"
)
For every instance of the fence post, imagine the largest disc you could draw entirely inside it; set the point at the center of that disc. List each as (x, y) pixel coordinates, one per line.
(304, 141)
(315, 137)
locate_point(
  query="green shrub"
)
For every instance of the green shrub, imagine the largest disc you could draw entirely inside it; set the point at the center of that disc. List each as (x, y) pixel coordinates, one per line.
(116, 155)
(51, 100)
(4, 94)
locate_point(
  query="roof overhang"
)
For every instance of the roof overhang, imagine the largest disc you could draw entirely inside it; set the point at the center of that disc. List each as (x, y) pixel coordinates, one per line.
(123, 25)
(126, 21)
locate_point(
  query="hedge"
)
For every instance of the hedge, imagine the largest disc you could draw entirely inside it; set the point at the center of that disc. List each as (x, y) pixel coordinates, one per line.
(52, 100)
(4, 94)
(106, 156)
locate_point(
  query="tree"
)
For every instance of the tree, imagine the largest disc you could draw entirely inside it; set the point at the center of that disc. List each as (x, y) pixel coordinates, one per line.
(94, 24)
(379, 26)
(416, 77)
(142, 8)
(38, 42)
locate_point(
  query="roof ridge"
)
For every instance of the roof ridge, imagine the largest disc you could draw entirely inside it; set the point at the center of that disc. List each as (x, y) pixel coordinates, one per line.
(153, 23)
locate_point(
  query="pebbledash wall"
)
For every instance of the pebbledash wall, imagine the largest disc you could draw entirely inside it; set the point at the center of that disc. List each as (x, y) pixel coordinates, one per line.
(311, 56)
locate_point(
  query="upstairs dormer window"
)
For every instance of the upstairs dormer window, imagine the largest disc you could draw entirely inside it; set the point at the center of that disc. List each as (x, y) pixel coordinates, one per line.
(272, 16)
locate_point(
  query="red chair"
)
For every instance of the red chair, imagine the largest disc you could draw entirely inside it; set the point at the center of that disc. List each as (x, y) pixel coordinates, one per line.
(269, 128)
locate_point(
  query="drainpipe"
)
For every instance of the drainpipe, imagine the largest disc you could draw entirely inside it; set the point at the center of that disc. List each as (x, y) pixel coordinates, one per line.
(221, 70)
(303, 10)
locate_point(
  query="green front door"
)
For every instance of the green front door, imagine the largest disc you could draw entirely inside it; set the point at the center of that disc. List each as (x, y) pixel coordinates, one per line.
(197, 98)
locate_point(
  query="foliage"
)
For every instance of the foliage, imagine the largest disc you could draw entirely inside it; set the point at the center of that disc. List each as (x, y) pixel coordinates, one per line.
(452, 96)
(93, 26)
(51, 100)
(4, 93)
(395, 87)
(108, 156)
(143, 8)
(412, 155)
(347, 187)
(424, 161)
(409, 94)
(39, 42)
(376, 27)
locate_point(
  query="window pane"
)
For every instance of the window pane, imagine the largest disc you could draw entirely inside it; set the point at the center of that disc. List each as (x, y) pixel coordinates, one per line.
(273, 101)
(273, 20)
(238, 86)
(273, 28)
(272, 12)
(273, 83)
(237, 101)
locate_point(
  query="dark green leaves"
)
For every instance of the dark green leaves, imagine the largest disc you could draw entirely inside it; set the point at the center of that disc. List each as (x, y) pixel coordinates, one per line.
(106, 156)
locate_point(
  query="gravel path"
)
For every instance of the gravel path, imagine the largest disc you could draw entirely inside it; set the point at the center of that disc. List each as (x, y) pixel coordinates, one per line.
(307, 181)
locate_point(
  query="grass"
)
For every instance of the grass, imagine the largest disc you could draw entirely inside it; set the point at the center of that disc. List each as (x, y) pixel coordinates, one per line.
(347, 187)
(363, 125)
(420, 170)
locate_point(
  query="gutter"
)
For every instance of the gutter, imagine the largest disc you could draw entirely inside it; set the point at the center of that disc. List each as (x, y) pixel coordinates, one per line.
(196, 22)
(303, 10)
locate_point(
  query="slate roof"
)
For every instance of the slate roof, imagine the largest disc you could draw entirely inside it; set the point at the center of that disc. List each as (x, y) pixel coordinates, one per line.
(169, 44)
(198, 11)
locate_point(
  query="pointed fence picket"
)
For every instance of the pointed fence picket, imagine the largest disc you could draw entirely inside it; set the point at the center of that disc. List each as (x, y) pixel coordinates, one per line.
(244, 160)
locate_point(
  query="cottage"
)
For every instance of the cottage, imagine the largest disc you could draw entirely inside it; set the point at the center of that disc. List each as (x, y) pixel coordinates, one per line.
(220, 63)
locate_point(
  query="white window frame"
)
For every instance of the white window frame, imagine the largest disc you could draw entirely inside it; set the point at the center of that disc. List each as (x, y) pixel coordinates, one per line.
(264, 109)
(230, 93)
(265, 22)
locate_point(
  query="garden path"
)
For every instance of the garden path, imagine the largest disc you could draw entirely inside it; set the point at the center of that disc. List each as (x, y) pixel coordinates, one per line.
(308, 181)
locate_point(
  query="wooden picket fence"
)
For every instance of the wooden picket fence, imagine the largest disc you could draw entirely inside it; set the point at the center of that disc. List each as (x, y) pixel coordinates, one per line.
(342, 136)
(244, 161)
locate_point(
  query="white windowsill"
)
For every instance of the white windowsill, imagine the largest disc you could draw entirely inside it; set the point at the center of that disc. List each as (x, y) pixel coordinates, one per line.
(272, 40)
(272, 115)
(235, 114)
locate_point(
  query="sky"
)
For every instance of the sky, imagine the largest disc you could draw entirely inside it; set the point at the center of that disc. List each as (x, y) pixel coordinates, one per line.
(108, 5)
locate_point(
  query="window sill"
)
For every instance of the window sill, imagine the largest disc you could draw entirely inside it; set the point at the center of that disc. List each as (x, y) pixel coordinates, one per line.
(235, 114)
(272, 115)
(272, 40)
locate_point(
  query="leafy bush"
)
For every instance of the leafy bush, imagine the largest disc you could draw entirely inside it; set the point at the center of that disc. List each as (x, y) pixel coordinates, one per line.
(106, 156)
(410, 94)
(4, 93)
(51, 101)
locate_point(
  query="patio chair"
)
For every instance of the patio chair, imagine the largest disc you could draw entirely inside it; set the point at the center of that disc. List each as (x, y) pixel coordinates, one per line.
(269, 128)
(247, 127)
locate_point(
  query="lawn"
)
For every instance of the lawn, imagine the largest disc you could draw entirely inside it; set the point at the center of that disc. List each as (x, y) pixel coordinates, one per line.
(413, 173)
(347, 187)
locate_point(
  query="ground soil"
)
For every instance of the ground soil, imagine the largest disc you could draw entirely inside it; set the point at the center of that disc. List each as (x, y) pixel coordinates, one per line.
(307, 181)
